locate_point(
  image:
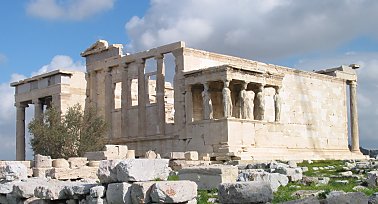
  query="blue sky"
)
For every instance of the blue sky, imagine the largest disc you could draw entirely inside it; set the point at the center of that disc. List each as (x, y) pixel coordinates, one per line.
(42, 35)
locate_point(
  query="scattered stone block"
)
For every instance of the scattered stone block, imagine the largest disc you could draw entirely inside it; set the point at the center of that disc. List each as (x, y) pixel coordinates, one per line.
(177, 155)
(94, 163)
(245, 192)
(77, 162)
(307, 193)
(42, 172)
(95, 156)
(204, 157)
(294, 174)
(275, 180)
(118, 193)
(351, 198)
(130, 154)
(130, 170)
(107, 172)
(372, 178)
(13, 170)
(76, 173)
(346, 174)
(150, 155)
(97, 192)
(309, 200)
(60, 163)
(41, 161)
(209, 177)
(173, 191)
(191, 155)
(140, 192)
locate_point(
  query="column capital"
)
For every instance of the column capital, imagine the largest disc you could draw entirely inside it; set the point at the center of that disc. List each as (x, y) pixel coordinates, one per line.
(352, 83)
(21, 105)
(159, 56)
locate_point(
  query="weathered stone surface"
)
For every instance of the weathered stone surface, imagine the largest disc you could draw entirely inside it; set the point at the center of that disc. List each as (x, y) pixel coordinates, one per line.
(130, 154)
(372, 178)
(60, 163)
(173, 191)
(76, 173)
(41, 161)
(130, 170)
(97, 191)
(307, 193)
(245, 192)
(306, 180)
(275, 180)
(191, 155)
(209, 177)
(150, 155)
(107, 172)
(10, 171)
(373, 199)
(25, 188)
(176, 155)
(118, 193)
(42, 172)
(77, 162)
(7, 186)
(140, 192)
(294, 174)
(350, 198)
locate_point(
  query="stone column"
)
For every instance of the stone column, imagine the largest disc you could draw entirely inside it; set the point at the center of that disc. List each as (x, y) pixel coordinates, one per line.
(109, 99)
(125, 103)
(93, 89)
(141, 98)
(38, 109)
(243, 101)
(20, 131)
(207, 103)
(160, 92)
(227, 102)
(189, 104)
(277, 104)
(354, 116)
(259, 107)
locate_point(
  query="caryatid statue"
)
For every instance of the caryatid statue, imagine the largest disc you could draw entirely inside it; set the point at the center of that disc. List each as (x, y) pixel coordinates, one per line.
(227, 102)
(277, 104)
(207, 104)
(249, 105)
(243, 101)
(259, 108)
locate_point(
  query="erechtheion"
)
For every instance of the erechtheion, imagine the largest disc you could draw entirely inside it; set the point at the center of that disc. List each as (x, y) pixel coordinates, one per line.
(223, 106)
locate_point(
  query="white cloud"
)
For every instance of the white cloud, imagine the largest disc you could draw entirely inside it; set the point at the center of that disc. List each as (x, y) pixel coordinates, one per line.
(262, 30)
(67, 9)
(8, 111)
(3, 58)
(60, 62)
(367, 89)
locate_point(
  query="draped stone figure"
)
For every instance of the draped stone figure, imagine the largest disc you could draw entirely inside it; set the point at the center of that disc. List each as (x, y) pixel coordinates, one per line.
(277, 104)
(259, 108)
(207, 104)
(243, 102)
(249, 105)
(227, 102)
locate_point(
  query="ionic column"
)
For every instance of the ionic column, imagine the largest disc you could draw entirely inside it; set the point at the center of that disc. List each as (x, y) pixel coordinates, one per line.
(109, 99)
(189, 104)
(38, 109)
(141, 98)
(20, 131)
(354, 116)
(160, 92)
(125, 103)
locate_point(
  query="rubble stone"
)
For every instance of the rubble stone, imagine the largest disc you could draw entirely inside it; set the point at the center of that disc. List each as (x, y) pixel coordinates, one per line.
(140, 192)
(209, 177)
(77, 162)
(130, 170)
(118, 193)
(275, 180)
(41, 161)
(12, 170)
(245, 192)
(173, 191)
(107, 172)
(191, 155)
(60, 163)
(372, 178)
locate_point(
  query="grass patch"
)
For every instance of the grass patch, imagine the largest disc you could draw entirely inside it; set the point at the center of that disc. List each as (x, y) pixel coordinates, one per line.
(204, 195)
(173, 178)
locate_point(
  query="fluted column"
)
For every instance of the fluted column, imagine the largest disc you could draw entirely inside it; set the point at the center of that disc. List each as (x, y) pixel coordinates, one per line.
(189, 104)
(20, 131)
(125, 103)
(354, 117)
(38, 109)
(141, 98)
(109, 99)
(160, 92)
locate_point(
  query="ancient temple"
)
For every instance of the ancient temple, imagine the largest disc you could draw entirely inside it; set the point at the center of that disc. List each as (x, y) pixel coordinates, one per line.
(226, 107)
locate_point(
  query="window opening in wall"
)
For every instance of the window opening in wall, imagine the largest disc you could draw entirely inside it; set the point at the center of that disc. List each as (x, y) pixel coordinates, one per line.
(197, 102)
(150, 80)
(117, 95)
(169, 64)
